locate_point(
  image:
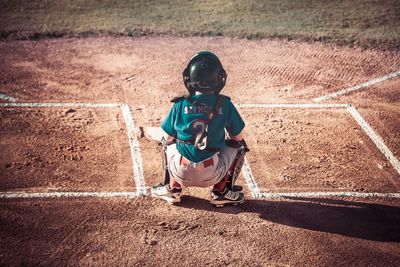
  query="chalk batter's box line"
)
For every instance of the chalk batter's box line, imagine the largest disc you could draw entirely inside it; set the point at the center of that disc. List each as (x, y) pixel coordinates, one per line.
(330, 194)
(301, 105)
(375, 138)
(44, 195)
(129, 195)
(250, 180)
(130, 126)
(62, 105)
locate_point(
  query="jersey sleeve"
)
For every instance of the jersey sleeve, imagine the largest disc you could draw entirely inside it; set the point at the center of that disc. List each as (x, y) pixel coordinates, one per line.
(235, 123)
(168, 124)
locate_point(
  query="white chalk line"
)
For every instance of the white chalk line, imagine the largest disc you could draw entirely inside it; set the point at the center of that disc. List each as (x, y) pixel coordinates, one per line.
(8, 98)
(248, 175)
(49, 105)
(135, 151)
(46, 195)
(330, 194)
(11, 195)
(358, 87)
(251, 182)
(304, 105)
(378, 141)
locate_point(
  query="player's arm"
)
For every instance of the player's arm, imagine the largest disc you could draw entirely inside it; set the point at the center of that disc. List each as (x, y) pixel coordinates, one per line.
(235, 124)
(238, 137)
(168, 125)
(168, 137)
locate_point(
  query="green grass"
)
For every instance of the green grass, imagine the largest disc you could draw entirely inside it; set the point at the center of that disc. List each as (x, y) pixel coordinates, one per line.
(367, 23)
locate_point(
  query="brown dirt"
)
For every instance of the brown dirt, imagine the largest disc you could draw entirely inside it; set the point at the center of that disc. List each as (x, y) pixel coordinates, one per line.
(293, 232)
(315, 150)
(292, 150)
(64, 150)
(380, 105)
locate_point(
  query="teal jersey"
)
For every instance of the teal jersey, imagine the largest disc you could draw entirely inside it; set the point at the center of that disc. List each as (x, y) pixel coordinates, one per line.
(187, 118)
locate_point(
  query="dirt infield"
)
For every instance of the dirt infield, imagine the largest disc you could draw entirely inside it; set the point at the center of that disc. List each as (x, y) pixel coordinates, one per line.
(315, 150)
(292, 150)
(144, 232)
(46, 149)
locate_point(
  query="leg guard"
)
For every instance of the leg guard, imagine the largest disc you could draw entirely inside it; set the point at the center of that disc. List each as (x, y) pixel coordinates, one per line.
(164, 144)
(237, 164)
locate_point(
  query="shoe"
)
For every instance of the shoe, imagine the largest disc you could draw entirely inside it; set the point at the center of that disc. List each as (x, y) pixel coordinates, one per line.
(164, 192)
(227, 197)
(237, 188)
(234, 187)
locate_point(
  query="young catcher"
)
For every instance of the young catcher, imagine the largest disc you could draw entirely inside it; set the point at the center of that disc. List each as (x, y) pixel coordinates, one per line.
(203, 144)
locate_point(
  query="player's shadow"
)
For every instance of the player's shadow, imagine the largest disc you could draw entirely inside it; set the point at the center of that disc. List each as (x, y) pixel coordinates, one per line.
(355, 219)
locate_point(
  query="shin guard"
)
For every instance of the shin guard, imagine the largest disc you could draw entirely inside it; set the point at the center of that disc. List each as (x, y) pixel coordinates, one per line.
(237, 164)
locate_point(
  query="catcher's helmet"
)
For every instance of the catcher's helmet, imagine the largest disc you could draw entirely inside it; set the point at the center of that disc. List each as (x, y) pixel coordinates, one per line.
(204, 73)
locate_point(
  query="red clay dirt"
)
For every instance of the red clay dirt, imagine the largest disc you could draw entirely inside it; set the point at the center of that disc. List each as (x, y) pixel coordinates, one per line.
(64, 149)
(308, 150)
(380, 105)
(323, 151)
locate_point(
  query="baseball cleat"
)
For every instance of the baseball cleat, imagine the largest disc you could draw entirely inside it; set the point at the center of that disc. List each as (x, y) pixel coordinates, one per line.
(164, 192)
(237, 188)
(227, 197)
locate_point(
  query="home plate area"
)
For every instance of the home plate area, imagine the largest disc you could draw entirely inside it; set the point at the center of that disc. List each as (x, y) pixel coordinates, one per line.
(81, 150)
